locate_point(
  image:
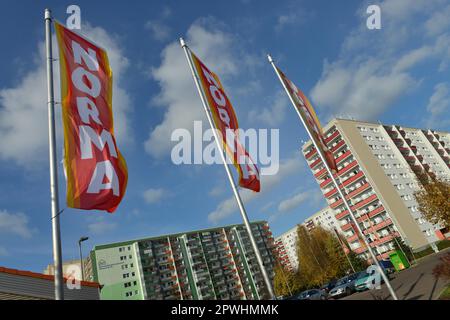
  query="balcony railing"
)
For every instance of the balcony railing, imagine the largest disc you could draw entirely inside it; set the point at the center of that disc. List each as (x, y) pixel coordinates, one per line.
(347, 168)
(364, 202)
(378, 226)
(332, 136)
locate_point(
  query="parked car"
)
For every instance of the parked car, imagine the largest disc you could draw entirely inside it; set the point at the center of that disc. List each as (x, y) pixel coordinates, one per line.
(363, 282)
(328, 286)
(313, 294)
(345, 286)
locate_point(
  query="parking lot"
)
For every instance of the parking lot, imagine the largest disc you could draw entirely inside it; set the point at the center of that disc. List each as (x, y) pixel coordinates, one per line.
(416, 283)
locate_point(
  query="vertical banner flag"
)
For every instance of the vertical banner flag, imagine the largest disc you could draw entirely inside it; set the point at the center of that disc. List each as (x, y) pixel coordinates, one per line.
(226, 123)
(312, 122)
(96, 172)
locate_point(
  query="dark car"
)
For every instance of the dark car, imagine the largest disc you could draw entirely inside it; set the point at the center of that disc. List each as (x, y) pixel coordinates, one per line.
(313, 294)
(346, 285)
(329, 285)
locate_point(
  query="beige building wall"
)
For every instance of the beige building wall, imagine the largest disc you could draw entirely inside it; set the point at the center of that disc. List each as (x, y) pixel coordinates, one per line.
(381, 184)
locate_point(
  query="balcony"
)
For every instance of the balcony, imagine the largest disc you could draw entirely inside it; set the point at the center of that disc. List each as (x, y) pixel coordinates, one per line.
(384, 239)
(353, 179)
(336, 204)
(357, 191)
(310, 153)
(343, 156)
(360, 249)
(348, 167)
(330, 193)
(320, 173)
(364, 202)
(352, 238)
(378, 226)
(346, 226)
(332, 136)
(325, 183)
(315, 163)
(376, 211)
(341, 215)
(337, 146)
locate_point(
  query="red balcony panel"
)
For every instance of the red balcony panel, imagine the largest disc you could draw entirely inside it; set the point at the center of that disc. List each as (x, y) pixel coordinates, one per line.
(320, 173)
(376, 211)
(325, 183)
(315, 163)
(310, 153)
(360, 250)
(352, 179)
(350, 166)
(346, 226)
(352, 238)
(362, 218)
(343, 156)
(333, 135)
(364, 202)
(336, 204)
(330, 193)
(357, 191)
(384, 239)
(378, 226)
(338, 145)
(341, 215)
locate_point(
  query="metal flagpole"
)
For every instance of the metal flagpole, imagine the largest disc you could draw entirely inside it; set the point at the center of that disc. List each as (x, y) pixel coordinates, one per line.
(341, 194)
(56, 235)
(343, 249)
(230, 177)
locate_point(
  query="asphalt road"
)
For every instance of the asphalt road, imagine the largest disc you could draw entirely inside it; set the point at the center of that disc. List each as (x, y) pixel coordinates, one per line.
(416, 283)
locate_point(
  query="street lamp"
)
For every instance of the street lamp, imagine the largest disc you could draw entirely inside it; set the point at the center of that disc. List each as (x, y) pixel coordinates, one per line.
(81, 255)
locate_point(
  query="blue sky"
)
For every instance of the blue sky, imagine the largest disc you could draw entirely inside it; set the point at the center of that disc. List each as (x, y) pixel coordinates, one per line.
(398, 74)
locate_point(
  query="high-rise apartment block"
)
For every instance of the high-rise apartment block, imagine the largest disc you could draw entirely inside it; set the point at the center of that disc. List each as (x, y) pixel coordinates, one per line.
(217, 263)
(286, 249)
(378, 167)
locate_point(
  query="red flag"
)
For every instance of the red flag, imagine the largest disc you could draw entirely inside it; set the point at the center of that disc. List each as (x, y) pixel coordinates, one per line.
(226, 122)
(312, 122)
(96, 172)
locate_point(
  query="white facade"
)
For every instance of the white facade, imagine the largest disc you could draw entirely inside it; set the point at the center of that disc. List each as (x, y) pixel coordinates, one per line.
(378, 167)
(287, 247)
(324, 218)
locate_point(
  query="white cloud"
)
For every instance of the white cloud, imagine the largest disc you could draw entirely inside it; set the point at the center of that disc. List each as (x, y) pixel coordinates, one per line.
(292, 202)
(178, 93)
(154, 195)
(101, 227)
(271, 116)
(229, 206)
(15, 223)
(374, 68)
(158, 29)
(23, 108)
(439, 106)
(293, 16)
(216, 191)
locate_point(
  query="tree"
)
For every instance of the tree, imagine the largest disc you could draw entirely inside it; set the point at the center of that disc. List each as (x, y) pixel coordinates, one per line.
(433, 199)
(286, 283)
(321, 257)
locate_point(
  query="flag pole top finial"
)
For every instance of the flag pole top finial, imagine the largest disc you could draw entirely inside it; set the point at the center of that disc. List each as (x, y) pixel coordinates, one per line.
(269, 57)
(182, 43)
(48, 14)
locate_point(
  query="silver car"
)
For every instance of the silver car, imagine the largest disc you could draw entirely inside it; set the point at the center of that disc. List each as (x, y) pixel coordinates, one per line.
(313, 294)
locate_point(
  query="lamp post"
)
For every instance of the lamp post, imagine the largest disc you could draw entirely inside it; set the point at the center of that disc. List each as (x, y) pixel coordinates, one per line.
(81, 255)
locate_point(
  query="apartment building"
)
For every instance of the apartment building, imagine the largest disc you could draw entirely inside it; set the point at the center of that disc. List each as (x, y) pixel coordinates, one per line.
(217, 263)
(286, 249)
(377, 168)
(324, 218)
